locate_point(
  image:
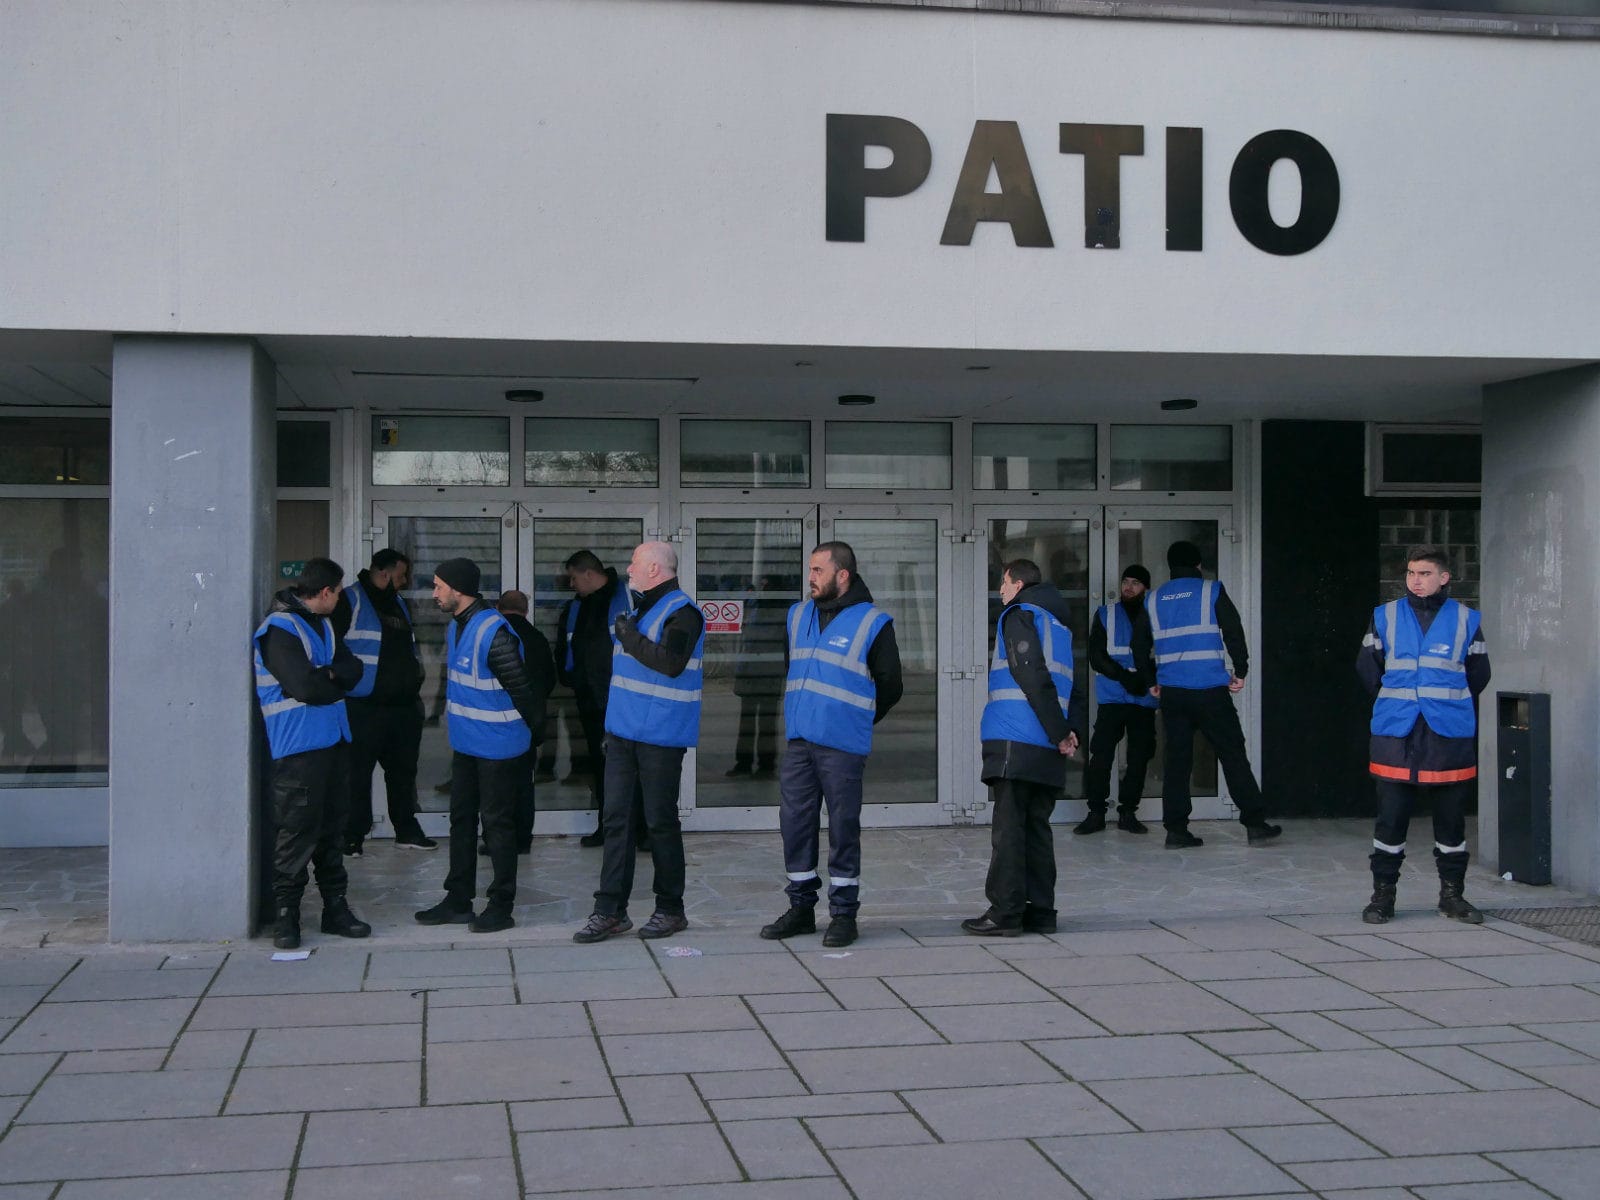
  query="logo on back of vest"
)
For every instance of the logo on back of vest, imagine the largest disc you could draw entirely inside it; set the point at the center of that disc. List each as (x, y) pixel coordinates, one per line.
(1177, 595)
(841, 641)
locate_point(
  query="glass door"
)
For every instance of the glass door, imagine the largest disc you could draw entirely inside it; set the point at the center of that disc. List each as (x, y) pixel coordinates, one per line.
(744, 564)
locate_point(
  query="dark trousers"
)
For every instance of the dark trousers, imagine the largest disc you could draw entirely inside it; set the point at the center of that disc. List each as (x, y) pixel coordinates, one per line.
(483, 790)
(593, 721)
(1395, 804)
(1022, 859)
(1112, 721)
(386, 735)
(655, 771)
(527, 805)
(810, 775)
(758, 731)
(309, 793)
(1210, 711)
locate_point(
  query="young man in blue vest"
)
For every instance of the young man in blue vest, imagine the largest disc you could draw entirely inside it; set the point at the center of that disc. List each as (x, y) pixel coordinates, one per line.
(652, 717)
(1192, 633)
(1425, 662)
(1126, 706)
(1030, 728)
(302, 675)
(843, 678)
(494, 717)
(385, 708)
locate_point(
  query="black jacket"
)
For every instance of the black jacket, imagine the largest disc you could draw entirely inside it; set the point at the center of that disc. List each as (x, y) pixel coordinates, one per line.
(506, 665)
(536, 662)
(1022, 760)
(1422, 751)
(1100, 660)
(883, 656)
(285, 657)
(590, 677)
(400, 675)
(678, 636)
(1227, 620)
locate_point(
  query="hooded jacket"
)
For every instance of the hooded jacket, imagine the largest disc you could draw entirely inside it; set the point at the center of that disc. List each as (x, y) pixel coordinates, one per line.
(285, 657)
(1020, 760)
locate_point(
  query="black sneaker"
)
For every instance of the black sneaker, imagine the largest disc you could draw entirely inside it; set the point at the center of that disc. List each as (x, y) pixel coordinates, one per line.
(591, 840)
(353, 850)
(663, 924)
(987, 926)
(1182, 839)
(599, 927)
(445, 912)
(1093, 823)
(338, 919)
(1255, 835)
(796, 920)
(490, 920)
(841, 932)
(1129, 823)
(414, 841)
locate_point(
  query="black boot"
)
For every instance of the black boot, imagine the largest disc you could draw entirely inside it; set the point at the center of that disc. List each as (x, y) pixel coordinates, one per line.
(286, 933)
(337, 918)
(1380, 909)
(1093, 823)
(1453, 905)
(796, 920)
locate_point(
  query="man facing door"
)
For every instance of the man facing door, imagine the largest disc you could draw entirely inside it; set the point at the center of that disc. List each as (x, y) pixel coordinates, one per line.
(1126, 706)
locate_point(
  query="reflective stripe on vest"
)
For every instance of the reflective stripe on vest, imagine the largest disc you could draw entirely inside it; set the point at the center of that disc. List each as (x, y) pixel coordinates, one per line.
(1425, 676)
(646, 705)
(483, 722)
(293, 726)
(1188, 641)
(365, 636)
(1119, 648)
(1008, 717)
(829, 696)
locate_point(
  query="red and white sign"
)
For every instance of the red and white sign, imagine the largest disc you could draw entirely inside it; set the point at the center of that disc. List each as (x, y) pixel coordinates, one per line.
(723, 616)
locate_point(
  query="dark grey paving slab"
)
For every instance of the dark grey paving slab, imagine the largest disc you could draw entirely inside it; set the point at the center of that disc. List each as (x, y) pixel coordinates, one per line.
(1157, 1008)
(740, 1085)
(199, 1049)
(1533, 1054)
(679, 1053)
(862, 993)
(1438, 1035)
(310, 1009)
(1028, 1110)
(1052, 1018)
(238, 1185)
(1203, 1102)
(16, 1001)
(760, 1108)
(1469, 1122)
(538, 1069)
(251, 975)
(1293, 995)
(1239, 933)
(490, 1023)
(485, 984)
(128, 1096)
(1327, 1074)
(464, 1179)
(1404, 975)
(130, 1149)
(624, 983)
(1513, 1189)
(1077, 971)
(594, 1112)
(739, 975)
(102, 1062)
(1503, 1005)
(471, 997)
(103, 1025)
(1145, 940)
(992, 987)
(1472, 1069)
(744, 938)
(1308, 1143)
(868, 1027)
(438, 964)
(627, 953)
(1148, 1057)
(700, 1014)
(17, 970)
(1397, 1172)
(776, 1149)
(661, 1100)
(1582, 1081)
(328, 1044)
(579, 1160)
(1158, 1166)
(37, 1191)
(764, 1189)
(403, 1135)
(902, 1067)
(203, 960)
(1565, 1174)
(149, 984)
(312, 1089)
(21, 1073)
(1318, 1032)
(924, 960)
(1372, 946)
(1583, 1036)
(1233, 964)
(1250, 1041)
(952, 1172)
(1365, 1020)
(1521, 970)
(786, 1002)
(880, 1129)
(1452, 941)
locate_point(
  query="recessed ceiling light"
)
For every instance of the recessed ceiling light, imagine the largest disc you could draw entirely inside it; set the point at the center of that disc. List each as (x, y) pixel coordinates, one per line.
(856, 398)
(524, 395)
(980, 367)
(1179, 404)
(804, 362)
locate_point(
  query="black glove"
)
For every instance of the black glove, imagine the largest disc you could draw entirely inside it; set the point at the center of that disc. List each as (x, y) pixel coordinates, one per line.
(625, 625)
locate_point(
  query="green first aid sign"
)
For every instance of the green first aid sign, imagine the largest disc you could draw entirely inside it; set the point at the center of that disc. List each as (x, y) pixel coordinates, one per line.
(291, 568)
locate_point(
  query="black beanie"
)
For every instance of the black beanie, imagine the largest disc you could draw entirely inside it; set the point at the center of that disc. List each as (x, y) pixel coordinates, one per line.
(1183, 556)
(1135, 571)
(462, 574)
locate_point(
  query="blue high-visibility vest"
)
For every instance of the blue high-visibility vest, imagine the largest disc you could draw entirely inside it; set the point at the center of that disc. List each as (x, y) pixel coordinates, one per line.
(1119, 648)
(645, 705)
(621, 602)
(293, 726)
(1008, 717)
(830, 698)
(365, 636)
(1188, 640)
(1425, 676)
(482, 719)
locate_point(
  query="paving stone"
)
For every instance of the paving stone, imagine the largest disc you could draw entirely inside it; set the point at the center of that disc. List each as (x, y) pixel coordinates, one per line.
(869, 1027)
(776, 1149)
(1581, 1081)
(199, 1049)
(993, 987)
(21, 1073)
(595, 1112)
(897, 1068)
(537, 1069)
(661, 1100)
(737, 1085)
(576, 1160)
(1308, 1143)
(863, 993)
(10, 1106)
(1511, 1189)
(1375, 947)
(617, 954)
(1452, 941)
(397, 1135)
(103, 1025)
(1153, 1056)
(336, 1008)
(1468, 1122)
(759, 1108)
(17, 1001)
(1533, 1054)
(742, 939)
(204, 960)
(1202, 1102)
(764, 1189)
(325, 1045)
(738, 975)
(1010, 1022)
(1405, 975)
(437, 964)
(1078, 971)
(1238, 933)
(1146, 940)
(130, 1149)
(30, 970)
(1565, 1174)
(678, 1053)
(1583, 1036)
(463, 1179)
(1150, 1166)
(1157, 1008)
(1472, 1068)
(237, 1185)
(1029, 1110)
(1250, 1041)
(101, 1062)
(440, 983)
(1523, 970)
(1325, 951)
(259, 976)
(128, 1096)
(925, 960)
(1467, 1035)
(619, 984)
(1325, 1074)
(1503, 1005)
(307, 1088)
(1292, 995)
(1232, 964)
(496, 1022)
(881, 1129)
(148, 984)
(793, 1002)
(471, 997)
(1365, 1020)
(122, 958)
(1396, 1172)
(952, 1172)
(696, 1015)
(1316, 1031)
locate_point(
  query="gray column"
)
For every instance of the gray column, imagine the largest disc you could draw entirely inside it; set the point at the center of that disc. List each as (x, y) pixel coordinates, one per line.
(1541, 595)
(194, 464)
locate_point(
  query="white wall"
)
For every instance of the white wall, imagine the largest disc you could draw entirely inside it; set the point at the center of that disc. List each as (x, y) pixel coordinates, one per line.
(652, 170)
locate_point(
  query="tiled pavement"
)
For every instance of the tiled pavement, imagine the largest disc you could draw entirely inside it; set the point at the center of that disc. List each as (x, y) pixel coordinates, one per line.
(1124, 1058)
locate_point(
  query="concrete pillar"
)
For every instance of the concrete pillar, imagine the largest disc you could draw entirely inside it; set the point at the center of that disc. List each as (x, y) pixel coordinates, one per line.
(194, 465)
(1541, 595)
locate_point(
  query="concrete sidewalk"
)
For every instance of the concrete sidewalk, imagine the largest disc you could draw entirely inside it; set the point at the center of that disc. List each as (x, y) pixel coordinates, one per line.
(1124, 1058)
